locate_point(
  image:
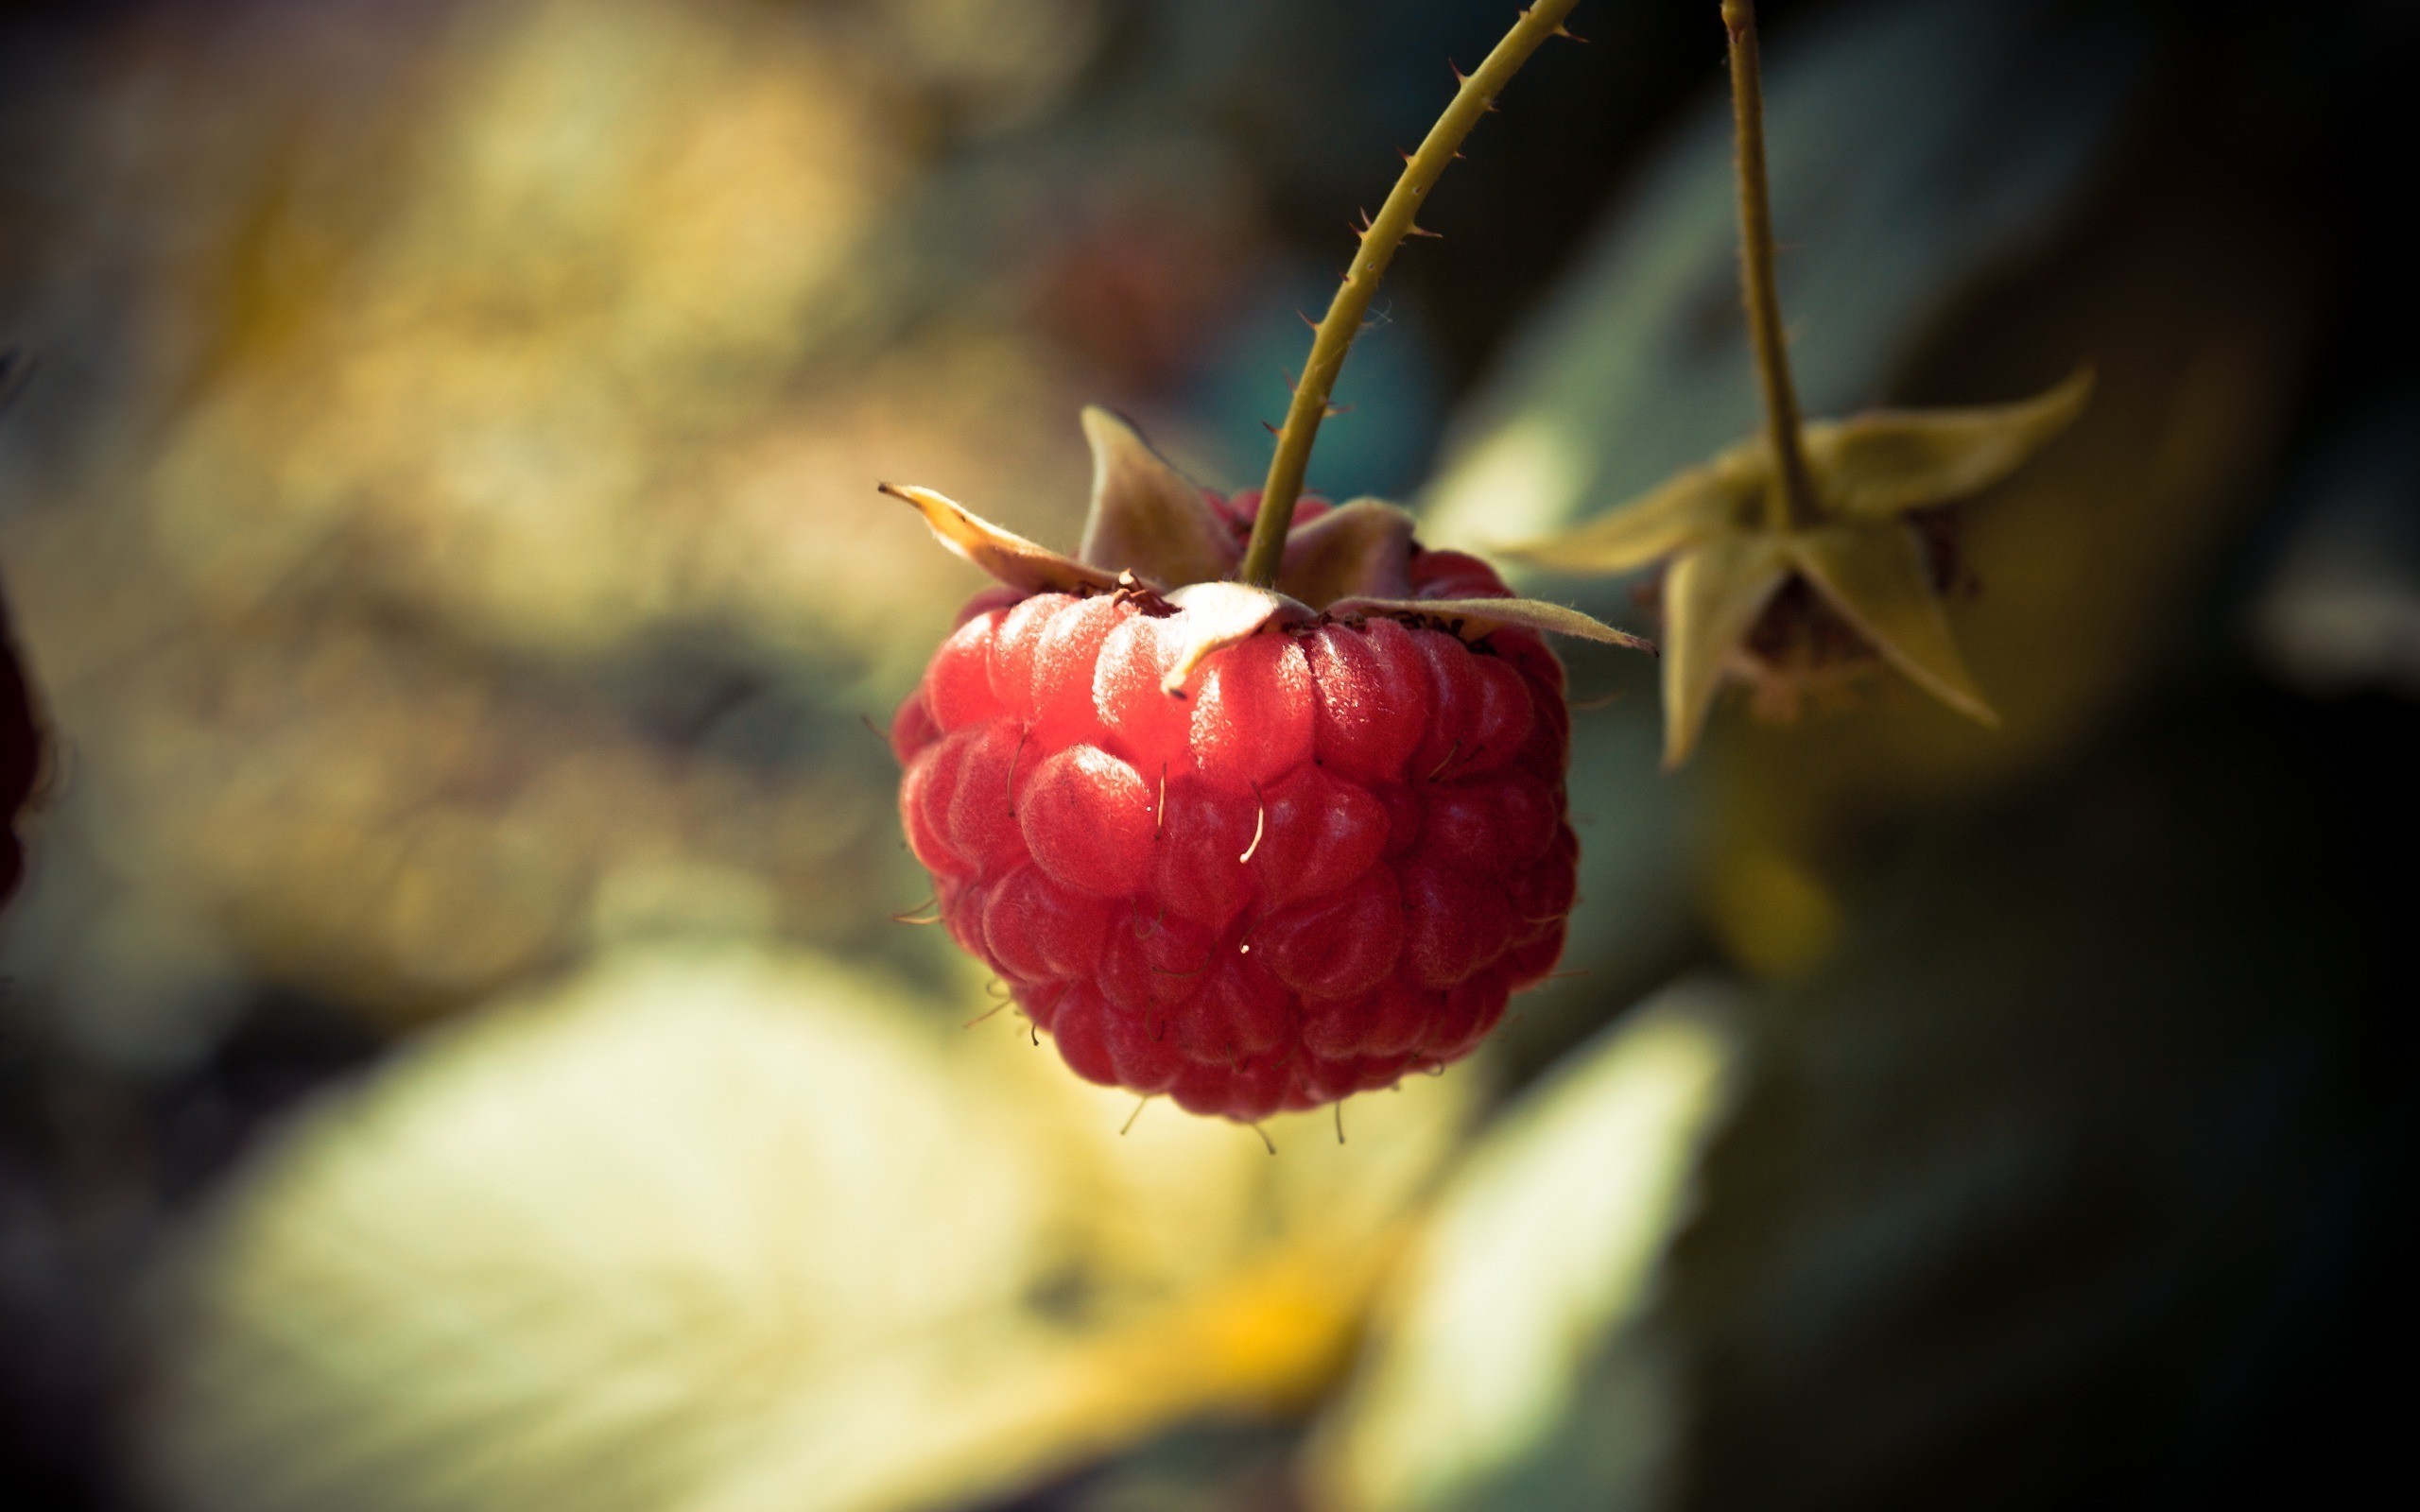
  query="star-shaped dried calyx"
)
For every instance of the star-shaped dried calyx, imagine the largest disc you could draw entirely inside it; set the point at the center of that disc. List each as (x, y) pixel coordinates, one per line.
(1735, 545)
(1793, 555)
(1151, 530)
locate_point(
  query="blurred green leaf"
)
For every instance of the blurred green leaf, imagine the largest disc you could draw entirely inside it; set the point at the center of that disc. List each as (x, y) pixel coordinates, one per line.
(1544, 1243)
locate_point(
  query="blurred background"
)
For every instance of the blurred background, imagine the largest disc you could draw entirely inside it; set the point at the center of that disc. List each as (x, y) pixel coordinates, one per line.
(457, 1046)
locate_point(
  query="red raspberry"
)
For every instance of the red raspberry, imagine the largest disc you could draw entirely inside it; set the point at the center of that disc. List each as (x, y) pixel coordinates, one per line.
(1323, 864)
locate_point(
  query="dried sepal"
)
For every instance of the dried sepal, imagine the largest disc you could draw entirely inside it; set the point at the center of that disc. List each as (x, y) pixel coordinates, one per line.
(1887, 462)
(1713, 593)
(1359, 550)
(1148, 518)
(1151, 529)
(1685, 508)
(1730, 553)
(1879, 578)
(1219, 614)
(1477, 618)
(1004, 553)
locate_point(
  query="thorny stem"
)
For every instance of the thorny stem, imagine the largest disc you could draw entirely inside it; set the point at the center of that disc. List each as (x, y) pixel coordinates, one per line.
(1793, 505)
(1386, 231)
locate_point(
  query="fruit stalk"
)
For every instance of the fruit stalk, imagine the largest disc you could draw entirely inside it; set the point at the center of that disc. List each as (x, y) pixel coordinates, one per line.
(1396, 221)
(1791, 507)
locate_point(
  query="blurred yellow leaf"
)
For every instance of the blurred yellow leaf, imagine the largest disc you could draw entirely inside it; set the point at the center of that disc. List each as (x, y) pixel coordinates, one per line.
(717, 1228)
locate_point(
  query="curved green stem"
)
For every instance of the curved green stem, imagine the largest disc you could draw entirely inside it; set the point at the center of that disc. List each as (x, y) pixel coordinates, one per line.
(1386, 232)
(1793, 505)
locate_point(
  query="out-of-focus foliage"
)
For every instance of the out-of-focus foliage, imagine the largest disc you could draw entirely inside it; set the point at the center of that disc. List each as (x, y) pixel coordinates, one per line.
(1545, 1246)
(509, 527)
(722, 1228)
(542, 400)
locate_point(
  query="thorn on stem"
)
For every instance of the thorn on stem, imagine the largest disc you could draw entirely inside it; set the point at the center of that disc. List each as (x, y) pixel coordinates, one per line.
(1423, 231)
(1334, 333)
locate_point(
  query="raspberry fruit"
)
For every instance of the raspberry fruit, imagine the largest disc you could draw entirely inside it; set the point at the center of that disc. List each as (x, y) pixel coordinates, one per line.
(1321, 862)
(1237, 849)
(1252, 801)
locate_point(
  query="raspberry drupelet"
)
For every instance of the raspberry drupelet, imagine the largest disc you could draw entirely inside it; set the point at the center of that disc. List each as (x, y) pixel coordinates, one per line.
(1296, 865)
